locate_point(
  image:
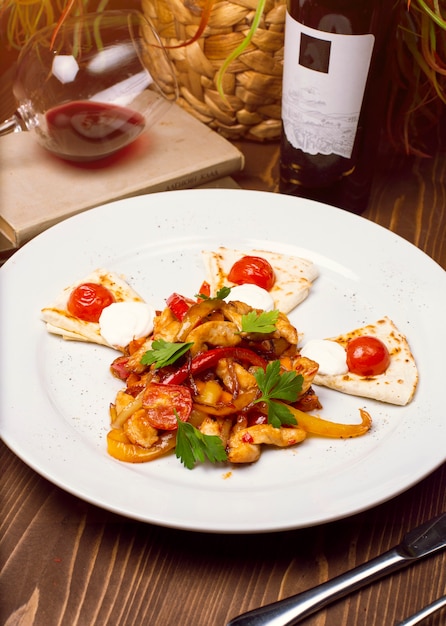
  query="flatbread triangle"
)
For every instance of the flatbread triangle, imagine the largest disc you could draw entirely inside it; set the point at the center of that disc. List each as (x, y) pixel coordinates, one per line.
(60, 322)
(294, 275)
(396, 385)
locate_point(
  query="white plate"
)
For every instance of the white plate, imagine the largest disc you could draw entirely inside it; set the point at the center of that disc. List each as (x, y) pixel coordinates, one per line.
(55, 394)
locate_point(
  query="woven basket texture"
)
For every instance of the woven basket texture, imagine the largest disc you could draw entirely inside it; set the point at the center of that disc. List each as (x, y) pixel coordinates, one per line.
(252, 83)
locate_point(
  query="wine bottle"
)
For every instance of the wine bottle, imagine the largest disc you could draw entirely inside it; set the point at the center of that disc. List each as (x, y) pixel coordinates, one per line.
(335, 85)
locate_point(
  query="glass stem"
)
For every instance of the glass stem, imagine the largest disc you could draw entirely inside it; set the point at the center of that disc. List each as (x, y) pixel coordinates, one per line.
(13, 124)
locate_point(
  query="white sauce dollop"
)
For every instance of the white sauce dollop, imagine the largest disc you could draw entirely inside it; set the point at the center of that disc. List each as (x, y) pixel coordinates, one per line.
(255, 296)
(331, 356)
(120, 322)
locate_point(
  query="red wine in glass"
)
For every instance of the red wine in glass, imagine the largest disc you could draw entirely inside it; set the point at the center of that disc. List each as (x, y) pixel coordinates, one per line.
(87, 130)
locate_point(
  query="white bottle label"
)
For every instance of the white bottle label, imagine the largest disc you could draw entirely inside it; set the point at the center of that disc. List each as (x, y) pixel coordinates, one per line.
(324, 80)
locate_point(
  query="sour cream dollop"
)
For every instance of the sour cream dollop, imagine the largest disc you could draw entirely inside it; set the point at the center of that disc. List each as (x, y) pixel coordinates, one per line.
(331, 356)
(123, 321)
(255, 296)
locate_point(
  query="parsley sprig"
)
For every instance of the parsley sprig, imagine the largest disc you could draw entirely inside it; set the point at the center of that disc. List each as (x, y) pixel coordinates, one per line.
(220, 295)
(193, 446)
(276, 386)
(164, 353)
(264, 322)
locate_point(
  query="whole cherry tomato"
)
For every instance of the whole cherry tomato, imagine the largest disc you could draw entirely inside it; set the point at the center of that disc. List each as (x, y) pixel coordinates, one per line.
(367, 356)
(252, 270)
(87, 301)
(161, 401)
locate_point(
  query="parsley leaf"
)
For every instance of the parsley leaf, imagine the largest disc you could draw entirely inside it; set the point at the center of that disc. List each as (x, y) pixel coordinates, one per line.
(223, 293)
(220, 295)
(164, 353)
(193, 446)
(276, 386)
(264, 322)
(279, 414)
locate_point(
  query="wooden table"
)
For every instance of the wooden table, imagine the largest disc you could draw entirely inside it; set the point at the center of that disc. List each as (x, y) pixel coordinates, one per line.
(65, 562)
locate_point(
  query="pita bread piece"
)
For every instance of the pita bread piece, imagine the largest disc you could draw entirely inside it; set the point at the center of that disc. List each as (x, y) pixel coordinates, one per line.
(396, 385)
(60, 322)
(294, 275)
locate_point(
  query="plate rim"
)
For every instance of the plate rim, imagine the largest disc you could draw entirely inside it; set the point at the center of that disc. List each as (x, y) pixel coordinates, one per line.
(50, 237)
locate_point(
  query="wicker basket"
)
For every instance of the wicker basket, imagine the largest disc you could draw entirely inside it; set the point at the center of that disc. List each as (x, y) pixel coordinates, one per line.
(252, 83)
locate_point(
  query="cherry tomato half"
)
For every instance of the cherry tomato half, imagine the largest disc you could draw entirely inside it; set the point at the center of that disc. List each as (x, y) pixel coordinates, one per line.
(161, 401)
(252, 270)
(367, 356)
(87, 301)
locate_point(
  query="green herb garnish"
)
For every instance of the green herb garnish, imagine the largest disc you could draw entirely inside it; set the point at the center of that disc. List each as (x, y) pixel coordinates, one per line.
(164, 353)
(264, 322)
(276, 386)
(193, 446)
(220, 295)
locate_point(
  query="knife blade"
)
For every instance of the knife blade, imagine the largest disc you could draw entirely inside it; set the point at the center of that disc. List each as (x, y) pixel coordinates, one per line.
(418, 543)
(423, 613)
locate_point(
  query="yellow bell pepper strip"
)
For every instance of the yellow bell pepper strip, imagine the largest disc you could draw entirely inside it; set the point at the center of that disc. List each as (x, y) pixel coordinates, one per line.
(324, 428)
(238, 404)
(120, 447)
(119, 419)
(196, 314)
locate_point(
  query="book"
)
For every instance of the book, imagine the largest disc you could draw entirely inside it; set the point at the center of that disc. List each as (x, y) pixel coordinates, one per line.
(38, 189)
(7, 248)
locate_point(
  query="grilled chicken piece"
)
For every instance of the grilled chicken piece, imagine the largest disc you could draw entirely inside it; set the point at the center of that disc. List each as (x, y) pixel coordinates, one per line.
(307, 368)
(240, 451)
(233, 311)
(244, 444)
(215, 333)
(134, 362)
(166, 326)
(139, 431)
(286, 330)
(234, 376)
(219, 427)
(281, 437)
(196, 315)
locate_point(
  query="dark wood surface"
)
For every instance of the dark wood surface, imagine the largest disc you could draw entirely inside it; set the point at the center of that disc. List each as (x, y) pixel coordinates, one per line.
(65, 562)
(408, 193)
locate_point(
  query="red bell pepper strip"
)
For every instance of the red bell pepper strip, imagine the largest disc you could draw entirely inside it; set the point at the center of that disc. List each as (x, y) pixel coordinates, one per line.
(179, 305)
(205, 360)
(119, 367)
(205, 290)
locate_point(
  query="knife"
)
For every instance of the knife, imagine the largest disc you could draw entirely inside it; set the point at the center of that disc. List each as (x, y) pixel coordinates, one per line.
(420, 542)
(420, 615)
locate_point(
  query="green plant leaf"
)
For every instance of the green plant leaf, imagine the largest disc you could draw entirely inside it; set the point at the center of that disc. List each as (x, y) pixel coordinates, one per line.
(264, 322)
(193, 446)
(277, 386)
(164, 353)
(237, 52)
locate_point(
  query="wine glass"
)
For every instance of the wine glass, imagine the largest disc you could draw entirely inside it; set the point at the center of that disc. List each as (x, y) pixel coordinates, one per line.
(92, 86)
